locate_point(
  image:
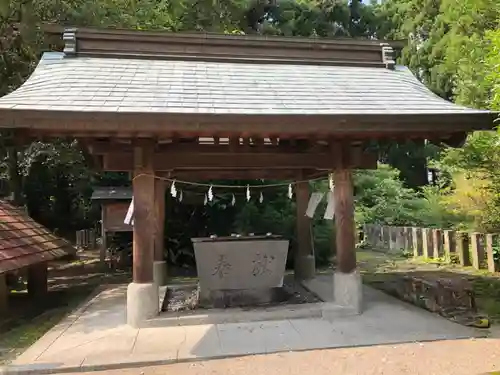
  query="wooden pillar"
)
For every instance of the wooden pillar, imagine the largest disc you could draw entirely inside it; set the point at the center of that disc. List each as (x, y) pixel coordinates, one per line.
(344, 221)
(4, 294)
(144, 224)
(159, 219)
(37, 280)
(104, 243)
(463, 248)
(437, 243)
(417, 243)
(491, 239)
(449, 244)
(477, 250)
(304, 264)
(160, 265)
(426, 242)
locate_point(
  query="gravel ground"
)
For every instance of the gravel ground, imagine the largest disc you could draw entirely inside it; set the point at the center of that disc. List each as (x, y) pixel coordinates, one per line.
(185, 297)
(460, 357)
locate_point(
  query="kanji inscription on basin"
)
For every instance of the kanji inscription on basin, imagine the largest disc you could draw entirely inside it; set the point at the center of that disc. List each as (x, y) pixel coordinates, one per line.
(230, 263)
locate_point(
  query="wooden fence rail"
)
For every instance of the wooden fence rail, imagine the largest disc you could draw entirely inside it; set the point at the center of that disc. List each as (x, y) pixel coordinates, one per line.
(86, 239)
(468, 249)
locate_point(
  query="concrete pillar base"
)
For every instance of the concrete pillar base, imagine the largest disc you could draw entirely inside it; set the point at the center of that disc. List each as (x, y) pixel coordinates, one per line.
(160, 272)
(348, 290)
(143, 303)
(305, 267)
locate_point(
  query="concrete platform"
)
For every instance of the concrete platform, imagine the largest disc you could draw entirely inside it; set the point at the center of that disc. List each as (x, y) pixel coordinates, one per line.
(96, 336)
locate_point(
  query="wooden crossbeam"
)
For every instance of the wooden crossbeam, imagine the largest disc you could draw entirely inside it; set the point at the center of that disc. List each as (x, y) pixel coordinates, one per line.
(166, 161)
(239, 174)
(233, 146)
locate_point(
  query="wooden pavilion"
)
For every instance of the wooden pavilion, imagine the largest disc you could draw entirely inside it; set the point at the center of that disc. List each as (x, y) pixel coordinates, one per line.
(197, 106)
(26, 247)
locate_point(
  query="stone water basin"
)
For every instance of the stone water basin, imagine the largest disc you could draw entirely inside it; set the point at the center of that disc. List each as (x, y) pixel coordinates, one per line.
(240, 270)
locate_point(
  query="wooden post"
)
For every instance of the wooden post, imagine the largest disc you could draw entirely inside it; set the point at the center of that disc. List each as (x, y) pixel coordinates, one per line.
(463, 248)
(416, 234)
(380, 236)
(37, 280)
(104, 240)
(160, 265)
(92, 239)
(477, 250)
(449, 244)
(4, 294)
(142, 293)
(491, 239)
(386, 237)
(426, 242)
(393, 234)
(304, 265)
(144, 224)
(159, 219)
(406, 238)
(344, 221)
(437, 243)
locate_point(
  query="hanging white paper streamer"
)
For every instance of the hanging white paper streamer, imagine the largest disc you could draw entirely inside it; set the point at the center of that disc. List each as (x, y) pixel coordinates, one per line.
(330, 207)
(313, 203)
(210, 194)
(205, 201)
(290, 191)
(173, 190)
(248, 193)
(261, 198)
(180, 196)
(233, 201)
(130, 213)
(330, 181)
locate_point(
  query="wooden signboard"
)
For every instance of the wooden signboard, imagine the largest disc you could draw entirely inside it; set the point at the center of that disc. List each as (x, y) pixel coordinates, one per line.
(113, 215)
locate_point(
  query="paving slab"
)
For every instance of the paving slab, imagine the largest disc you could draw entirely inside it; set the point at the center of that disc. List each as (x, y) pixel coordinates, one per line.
(96, 337)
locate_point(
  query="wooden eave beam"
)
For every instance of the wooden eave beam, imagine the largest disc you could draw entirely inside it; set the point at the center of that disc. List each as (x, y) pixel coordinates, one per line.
(146, 124)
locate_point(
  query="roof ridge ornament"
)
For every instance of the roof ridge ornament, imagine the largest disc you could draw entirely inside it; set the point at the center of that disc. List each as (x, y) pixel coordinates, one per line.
(69, 39)
(388, 56)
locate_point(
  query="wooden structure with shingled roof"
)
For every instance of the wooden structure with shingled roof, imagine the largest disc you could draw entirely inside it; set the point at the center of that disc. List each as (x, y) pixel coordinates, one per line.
(26, 246)
(114, 202)
(202, 106)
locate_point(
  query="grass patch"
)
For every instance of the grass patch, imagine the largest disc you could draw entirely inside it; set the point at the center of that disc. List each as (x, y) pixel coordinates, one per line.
(30, 320)
(23, 331)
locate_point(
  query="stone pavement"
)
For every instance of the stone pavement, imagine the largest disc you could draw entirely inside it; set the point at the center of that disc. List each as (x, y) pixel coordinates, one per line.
(452, 357)
(96, 336)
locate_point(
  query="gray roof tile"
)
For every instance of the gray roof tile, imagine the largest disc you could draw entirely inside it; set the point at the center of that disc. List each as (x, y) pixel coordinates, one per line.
(126, 85)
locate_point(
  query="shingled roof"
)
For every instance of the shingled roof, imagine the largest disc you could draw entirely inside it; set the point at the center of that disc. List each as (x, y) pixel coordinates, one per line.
(24, 242)
(107, 78)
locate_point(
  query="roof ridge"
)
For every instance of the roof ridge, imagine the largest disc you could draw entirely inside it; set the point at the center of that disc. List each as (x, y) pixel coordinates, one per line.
(117, 43)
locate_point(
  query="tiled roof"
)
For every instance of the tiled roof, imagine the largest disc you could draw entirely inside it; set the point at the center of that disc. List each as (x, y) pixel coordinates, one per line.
(24, 242)
(199, 87)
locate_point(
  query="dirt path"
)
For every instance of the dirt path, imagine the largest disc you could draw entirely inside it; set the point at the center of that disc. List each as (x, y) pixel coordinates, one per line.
(461, 357)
